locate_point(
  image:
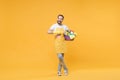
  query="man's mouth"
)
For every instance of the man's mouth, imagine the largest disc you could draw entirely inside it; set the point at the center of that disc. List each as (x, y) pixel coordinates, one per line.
(59, 21)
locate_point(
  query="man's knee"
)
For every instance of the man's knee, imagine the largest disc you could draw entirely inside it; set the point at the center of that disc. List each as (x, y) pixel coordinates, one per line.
(60, 56)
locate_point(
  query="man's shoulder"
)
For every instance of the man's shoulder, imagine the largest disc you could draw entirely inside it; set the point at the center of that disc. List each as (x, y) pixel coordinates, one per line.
(65, 25)
(54, 24)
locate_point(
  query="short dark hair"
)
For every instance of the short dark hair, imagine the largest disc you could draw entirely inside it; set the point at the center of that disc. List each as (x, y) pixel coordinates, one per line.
(60, 15)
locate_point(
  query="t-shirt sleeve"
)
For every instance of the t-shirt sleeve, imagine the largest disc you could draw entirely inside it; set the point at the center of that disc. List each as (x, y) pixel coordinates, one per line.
(52, 27)
(66, 28)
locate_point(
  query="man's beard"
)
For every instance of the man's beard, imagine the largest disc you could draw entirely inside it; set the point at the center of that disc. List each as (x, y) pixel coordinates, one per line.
(59, 22)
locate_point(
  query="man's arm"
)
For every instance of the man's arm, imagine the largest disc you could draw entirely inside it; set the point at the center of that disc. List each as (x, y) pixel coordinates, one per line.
(50, 31)
(67, 29)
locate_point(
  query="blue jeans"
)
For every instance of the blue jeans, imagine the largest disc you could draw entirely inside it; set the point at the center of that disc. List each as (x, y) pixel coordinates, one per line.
(61, 62)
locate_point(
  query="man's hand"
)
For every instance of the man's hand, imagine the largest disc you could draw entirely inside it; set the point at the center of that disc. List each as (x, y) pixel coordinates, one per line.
(50, 31)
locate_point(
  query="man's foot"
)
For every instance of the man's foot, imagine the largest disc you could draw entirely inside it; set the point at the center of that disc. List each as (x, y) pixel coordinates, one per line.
(65, 72)
(59, 74)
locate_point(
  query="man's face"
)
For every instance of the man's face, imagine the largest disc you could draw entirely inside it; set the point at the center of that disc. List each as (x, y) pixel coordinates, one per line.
(59, 20)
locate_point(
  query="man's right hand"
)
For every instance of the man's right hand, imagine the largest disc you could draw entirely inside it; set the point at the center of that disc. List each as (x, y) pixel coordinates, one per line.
(50, 31)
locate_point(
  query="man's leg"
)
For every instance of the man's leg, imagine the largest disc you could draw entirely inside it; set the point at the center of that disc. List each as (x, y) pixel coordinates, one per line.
(61, 63)
(64, 66)
(59, 69)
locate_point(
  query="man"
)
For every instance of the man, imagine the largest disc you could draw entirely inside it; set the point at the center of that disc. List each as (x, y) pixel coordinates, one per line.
(59, 29)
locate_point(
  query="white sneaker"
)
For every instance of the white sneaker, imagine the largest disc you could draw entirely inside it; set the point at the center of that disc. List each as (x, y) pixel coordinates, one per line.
(65, 72)
(59, 74)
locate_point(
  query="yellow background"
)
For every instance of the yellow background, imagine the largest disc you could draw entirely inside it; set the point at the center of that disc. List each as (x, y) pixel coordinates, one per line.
(25, 46)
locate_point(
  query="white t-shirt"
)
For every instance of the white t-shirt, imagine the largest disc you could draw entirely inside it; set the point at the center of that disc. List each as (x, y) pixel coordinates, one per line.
(54, 26)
